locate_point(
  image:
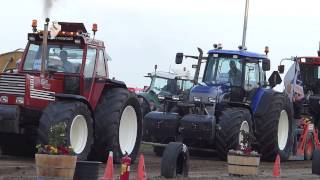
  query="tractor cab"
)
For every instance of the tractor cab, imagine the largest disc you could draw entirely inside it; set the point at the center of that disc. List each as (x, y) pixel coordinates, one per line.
(230, 75)
(239, 71)
(165, 85)
(69, 62)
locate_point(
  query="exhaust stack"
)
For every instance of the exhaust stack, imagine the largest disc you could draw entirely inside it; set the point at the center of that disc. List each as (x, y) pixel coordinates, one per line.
(44, 48)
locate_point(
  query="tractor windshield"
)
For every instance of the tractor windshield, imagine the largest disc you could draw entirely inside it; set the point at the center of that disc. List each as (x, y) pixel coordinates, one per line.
(61, 58)
(223, 70)
(171, 86)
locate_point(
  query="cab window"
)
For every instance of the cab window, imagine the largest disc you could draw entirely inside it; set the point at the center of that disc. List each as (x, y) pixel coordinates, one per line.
(252, 76)
(101, 66)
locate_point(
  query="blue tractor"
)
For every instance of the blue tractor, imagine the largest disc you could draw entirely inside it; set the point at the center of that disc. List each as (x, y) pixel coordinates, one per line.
(232, 96)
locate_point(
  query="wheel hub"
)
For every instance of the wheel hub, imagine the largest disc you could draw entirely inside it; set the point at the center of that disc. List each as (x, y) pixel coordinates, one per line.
(78, 134)
(128, 130)
(283, 130)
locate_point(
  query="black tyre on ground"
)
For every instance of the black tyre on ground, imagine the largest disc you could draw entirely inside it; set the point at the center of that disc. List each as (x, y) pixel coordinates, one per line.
(158, 151)
(118, 125)
(275, 129)
(78, 122)
(175, 160)
(231, 121)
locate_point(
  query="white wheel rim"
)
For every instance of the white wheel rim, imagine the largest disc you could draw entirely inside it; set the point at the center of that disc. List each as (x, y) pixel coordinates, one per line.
(283, 129)
(128, 130)
(245, 127)
(78, 134)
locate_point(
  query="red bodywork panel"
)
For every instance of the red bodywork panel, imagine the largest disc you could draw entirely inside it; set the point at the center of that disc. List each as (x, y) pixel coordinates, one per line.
(310, 60)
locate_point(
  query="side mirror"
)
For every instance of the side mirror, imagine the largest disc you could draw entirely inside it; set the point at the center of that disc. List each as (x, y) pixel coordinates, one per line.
(281, 69)
(266, 65)
(274, 79)
(179, 58)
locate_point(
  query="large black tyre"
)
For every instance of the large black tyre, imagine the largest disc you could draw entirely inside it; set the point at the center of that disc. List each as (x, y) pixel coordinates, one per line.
(279, 113)
(158, 151)
(231, 121)
(78, 122)
(175, 160)
(118, 125)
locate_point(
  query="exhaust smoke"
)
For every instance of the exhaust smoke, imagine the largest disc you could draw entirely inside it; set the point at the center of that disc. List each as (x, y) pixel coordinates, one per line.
(48, 4)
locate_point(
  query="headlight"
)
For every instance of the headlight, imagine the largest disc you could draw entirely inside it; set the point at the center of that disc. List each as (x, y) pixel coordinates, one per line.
(196, 99)
(4, 99)
(20, 100)
(175, 98)
(161, 97)
(211, 100)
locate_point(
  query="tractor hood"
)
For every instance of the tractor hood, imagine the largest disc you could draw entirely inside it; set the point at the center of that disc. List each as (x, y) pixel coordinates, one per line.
(208, 93)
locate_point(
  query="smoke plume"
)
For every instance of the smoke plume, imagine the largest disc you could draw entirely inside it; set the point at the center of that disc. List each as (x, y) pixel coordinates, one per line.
(48, 4)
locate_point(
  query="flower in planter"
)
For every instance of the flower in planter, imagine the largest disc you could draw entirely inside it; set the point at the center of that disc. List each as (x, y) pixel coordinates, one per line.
(57, 142)
(245, 147)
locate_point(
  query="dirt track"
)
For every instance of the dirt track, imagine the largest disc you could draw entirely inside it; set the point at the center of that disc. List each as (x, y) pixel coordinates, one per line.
(14, 168)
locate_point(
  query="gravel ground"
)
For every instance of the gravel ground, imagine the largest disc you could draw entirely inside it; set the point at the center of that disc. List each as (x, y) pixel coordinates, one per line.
(16, 168)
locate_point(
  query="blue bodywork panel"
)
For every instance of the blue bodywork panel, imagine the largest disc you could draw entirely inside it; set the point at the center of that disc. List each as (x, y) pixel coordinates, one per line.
(239, 53)
(208, 88)
(257, 98)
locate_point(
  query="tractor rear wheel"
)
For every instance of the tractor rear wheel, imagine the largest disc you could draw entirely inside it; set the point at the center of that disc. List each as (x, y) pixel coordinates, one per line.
(118, 125)
(232, 121)
(275, 129)
(76, 118)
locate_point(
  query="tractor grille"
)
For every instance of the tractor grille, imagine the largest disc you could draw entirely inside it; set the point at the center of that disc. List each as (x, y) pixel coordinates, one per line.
(12, 84)
(40, 94)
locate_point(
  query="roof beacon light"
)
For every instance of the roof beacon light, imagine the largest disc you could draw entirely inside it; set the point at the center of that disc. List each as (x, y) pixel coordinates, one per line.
(34, 25)
(94, 28)
(266, 50)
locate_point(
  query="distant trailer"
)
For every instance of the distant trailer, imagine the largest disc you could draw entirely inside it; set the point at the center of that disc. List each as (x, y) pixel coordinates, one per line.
(9, 60)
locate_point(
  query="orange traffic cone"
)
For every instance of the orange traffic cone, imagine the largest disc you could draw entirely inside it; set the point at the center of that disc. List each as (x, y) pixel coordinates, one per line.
(108, 172)
(141, 173)
(276, 168)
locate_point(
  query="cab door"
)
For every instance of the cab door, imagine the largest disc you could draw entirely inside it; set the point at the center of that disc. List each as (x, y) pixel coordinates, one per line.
(99, 78)
(88, 72)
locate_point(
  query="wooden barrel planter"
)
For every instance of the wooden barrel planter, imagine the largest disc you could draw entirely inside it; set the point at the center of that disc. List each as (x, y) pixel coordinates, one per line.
(243, 164)
(87, 170)
(59, 167)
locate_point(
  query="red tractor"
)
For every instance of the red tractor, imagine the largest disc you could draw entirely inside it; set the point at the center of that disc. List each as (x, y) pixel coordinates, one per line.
(63, 79)
(302, 85)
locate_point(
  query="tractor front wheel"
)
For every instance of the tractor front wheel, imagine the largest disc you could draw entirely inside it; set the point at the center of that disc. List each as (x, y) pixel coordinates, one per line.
(232, 121)
(75, 118)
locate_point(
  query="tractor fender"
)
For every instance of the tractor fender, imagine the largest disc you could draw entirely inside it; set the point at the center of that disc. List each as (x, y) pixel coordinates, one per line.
(261, 101)
(112, 83)
(76, 98)
(242, 105)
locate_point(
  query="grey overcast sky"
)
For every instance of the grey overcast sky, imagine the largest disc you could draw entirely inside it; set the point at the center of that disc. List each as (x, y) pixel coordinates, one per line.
(142, 33)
